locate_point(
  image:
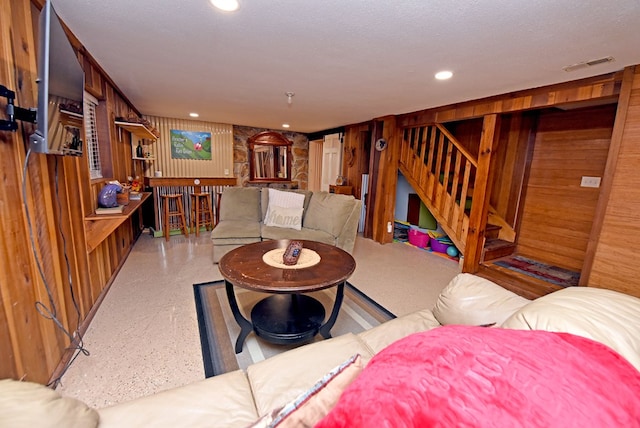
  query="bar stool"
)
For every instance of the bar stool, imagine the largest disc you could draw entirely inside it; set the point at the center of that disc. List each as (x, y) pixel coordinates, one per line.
(201, 213)
(173, 208)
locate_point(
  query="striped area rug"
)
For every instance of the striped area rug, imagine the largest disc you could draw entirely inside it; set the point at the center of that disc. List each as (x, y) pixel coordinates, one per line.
(218, 329)
(545, 272)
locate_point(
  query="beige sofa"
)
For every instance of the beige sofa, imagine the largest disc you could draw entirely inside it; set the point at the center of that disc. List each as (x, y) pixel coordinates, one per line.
(238, 398)
(328, 218)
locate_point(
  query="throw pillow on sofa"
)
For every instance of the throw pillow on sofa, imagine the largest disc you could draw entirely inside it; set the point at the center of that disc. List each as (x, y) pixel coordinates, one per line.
(312, 405)
(290, 218)
(285, 209)
(491, 377)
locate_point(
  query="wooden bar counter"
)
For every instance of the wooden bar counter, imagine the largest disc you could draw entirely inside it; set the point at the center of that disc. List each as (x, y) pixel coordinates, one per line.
(98, 227)
(185, 186)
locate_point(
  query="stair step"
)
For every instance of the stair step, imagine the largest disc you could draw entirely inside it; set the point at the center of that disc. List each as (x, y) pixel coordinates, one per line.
(495, 248)
(523, 285)
(492, 231)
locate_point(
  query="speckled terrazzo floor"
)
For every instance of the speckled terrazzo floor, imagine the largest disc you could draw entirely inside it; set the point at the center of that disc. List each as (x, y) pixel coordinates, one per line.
(144, 337)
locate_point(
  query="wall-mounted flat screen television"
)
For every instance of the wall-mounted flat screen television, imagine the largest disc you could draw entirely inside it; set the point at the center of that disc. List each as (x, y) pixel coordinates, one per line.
(60, 90)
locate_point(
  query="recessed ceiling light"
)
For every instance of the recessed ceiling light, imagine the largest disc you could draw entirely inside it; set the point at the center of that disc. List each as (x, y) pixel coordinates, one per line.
(226, 5)
(194, 115)
(444, 75)
(285, 125)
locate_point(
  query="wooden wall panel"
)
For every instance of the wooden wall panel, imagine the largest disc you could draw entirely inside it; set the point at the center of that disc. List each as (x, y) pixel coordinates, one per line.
(357, 148)
(382, 192)
(511, 153)
(29, 341)
(558, 213)
(221, 149)
(615, 263)
(59, 193)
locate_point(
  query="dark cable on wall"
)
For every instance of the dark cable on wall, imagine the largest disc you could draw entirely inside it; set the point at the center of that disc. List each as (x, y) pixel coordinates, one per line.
(50, 311)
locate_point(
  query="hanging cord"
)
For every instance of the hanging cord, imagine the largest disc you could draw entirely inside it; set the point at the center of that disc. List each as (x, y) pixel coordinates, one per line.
(50, 312)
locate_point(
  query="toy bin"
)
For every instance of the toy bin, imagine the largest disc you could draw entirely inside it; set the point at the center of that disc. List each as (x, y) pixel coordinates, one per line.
(418, 238)
(438, 246)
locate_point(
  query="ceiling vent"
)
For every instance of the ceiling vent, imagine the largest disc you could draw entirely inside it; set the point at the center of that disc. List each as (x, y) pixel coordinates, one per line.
(586, 64)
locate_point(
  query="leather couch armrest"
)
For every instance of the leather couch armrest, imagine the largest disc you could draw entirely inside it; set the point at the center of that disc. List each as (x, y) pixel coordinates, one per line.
(471, 300)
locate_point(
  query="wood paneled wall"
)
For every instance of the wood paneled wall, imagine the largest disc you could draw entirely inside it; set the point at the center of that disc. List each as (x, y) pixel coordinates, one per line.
(357, 151)
(609, 260)
(43, 253)
(221, 149)
(558, 213)
(615, 264)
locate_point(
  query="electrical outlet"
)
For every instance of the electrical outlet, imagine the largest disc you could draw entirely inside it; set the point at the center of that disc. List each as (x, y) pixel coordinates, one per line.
(226, 171)
(590, 182)
(389, 227)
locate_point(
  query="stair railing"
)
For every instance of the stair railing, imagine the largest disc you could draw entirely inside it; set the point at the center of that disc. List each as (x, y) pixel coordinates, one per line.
(442, 172)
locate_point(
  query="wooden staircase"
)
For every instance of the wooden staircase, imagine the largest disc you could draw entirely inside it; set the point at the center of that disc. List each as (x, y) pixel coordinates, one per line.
(441, 172)
(444, 175)
(454, 185)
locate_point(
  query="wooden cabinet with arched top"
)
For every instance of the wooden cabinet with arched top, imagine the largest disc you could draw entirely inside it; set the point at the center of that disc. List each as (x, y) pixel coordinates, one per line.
(269, 157)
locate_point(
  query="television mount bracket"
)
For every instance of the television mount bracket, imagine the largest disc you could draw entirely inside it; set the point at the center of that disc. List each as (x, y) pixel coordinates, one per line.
(14, 112)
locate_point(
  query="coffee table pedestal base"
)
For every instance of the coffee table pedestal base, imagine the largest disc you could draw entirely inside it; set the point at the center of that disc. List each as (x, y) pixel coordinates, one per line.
(287, 318)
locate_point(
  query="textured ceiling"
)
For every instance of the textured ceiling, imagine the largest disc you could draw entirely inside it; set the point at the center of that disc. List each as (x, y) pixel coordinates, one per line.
(347, 61)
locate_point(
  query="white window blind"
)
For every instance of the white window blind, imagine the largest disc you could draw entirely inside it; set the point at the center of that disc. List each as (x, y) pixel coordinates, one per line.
(91, 136)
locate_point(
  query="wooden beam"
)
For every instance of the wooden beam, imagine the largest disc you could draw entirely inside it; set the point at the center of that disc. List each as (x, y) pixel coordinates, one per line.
(385, 196)
(481, 194)
(599, 87)
(609, 171)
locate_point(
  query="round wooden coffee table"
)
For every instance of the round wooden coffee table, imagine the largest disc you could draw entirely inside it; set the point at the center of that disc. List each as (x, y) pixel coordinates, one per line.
(288, 316)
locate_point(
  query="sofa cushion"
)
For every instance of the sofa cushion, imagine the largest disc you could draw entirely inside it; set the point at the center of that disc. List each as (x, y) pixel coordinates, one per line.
(271, 232)
(28, 404)
(603, 315)
(463, 376)
(328, 212)
(379, 337)
(233, 231)
(471, 300)
(281, 378)
(224, 400)
(240, 203)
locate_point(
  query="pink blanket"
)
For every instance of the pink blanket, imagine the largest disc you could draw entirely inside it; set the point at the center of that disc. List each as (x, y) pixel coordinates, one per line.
(459, 376)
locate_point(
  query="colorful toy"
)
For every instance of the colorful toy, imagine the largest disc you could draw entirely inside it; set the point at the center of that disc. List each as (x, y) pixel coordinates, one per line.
(452, 251)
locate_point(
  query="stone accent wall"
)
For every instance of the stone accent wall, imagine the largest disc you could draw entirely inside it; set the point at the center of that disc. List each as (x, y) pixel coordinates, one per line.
(299, 152)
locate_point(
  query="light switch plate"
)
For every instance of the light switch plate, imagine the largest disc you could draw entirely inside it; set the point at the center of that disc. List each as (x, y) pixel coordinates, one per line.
(590, 182)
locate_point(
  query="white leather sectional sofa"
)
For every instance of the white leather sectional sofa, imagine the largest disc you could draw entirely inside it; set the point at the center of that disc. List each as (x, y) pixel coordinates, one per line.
(239, 398)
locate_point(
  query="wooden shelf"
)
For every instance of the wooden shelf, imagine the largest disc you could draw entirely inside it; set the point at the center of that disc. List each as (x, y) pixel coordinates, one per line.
(99, 226)
(138, 129)
(341, 190)
(72, 113)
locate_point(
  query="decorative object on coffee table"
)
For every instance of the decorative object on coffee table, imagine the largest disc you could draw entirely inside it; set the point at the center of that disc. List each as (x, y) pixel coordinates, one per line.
(292, 253)
(307, 258)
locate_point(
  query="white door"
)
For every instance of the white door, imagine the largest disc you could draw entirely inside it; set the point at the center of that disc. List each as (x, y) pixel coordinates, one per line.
(330, 160)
